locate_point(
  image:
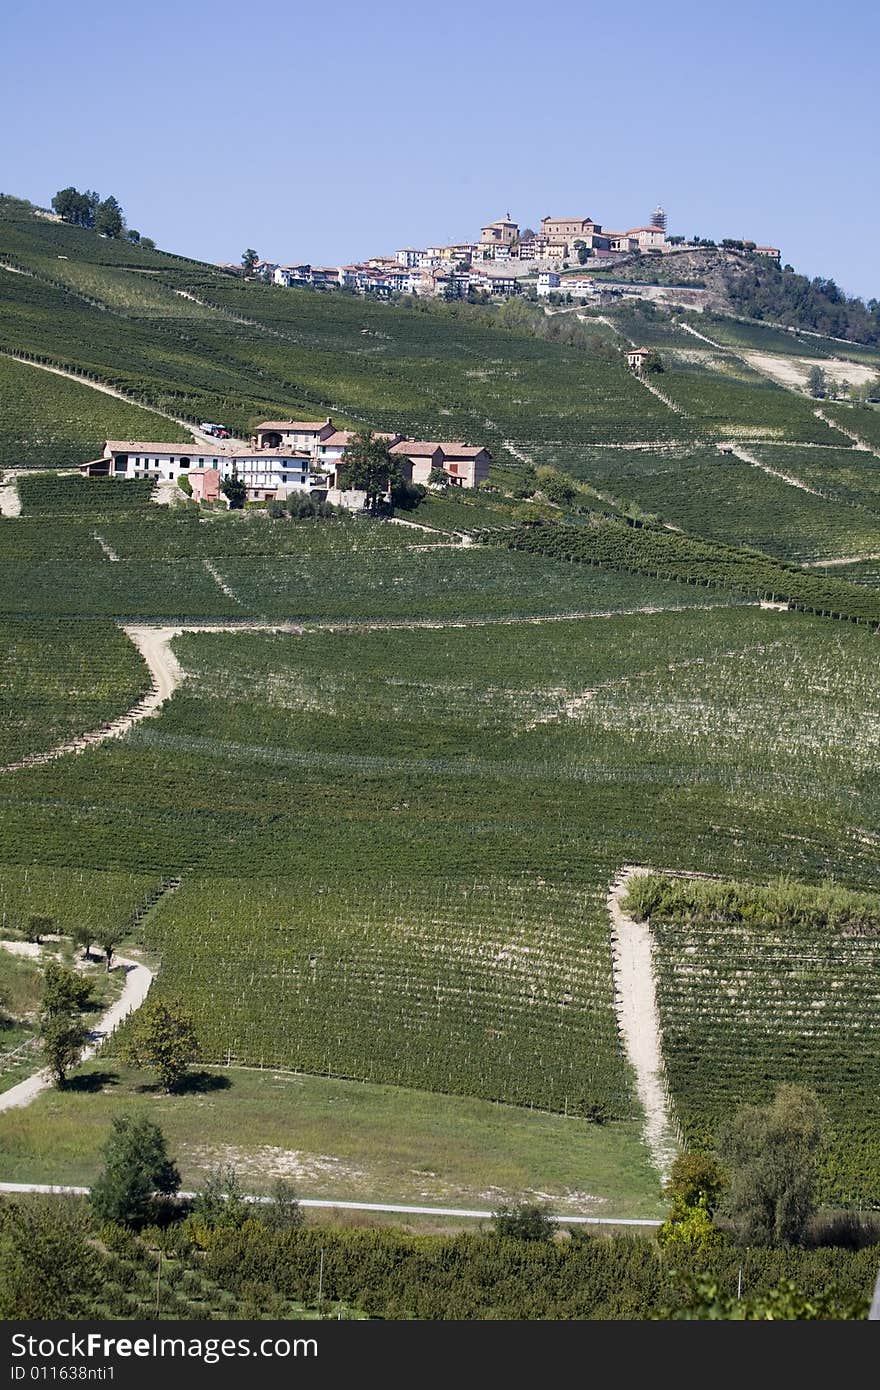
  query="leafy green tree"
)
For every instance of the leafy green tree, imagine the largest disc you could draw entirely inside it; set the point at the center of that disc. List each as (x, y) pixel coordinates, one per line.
(82, 937)
(249, 260)
(556, 488)
(689, 1226)
(163, 1037)
(283, 1212)
(770, 1152)
(132, 236)
(108, 218)
(108, 938)
(234, 489)
(38, 925)
(136, 1168)
(817, 384)
(63, 1037)
(695, 1178)
(148, 243)
(523, 1221)
(438, 477)
(220, 1201)
(48, 1270)
(368, 464)
(583, 253)
(64, 991)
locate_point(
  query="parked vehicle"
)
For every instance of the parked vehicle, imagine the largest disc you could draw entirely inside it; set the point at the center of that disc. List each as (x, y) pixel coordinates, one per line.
(219, 431)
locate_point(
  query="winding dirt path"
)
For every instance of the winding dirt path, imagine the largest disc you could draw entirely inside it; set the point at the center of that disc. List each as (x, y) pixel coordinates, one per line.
(154, 645)
(639, 1020)
(138, 979)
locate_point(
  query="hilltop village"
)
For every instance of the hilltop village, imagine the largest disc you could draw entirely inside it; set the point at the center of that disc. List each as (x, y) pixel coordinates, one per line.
(506, 260)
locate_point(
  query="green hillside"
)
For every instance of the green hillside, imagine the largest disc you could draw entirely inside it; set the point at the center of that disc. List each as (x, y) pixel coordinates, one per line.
(398, 780)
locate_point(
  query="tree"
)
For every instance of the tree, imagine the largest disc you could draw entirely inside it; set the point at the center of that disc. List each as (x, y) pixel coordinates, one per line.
(283, 1212)
(64, 991)
(67, 202)
(63, 1036)
(108, 938)
(696, 1184)
(62, 1031)
(220, 1200)
(583, 254)
(234, 489)
(136, 1168)
(108, 218)
(556, 488)
(249, 260)
(81, 936)
(770, 1152)
(367, 463)
(147, 243)
(697, 1177)
(816, 383)
(164, 1038)
(438, 477)
(38, 925)
(523, 1221)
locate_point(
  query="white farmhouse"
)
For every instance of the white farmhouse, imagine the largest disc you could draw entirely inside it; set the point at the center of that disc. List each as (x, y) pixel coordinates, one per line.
(267, 473)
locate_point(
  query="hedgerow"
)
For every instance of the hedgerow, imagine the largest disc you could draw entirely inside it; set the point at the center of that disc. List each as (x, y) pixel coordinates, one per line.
(661, 555)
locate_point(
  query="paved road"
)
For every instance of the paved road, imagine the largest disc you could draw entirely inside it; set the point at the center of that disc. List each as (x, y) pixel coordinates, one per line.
(394, 1208)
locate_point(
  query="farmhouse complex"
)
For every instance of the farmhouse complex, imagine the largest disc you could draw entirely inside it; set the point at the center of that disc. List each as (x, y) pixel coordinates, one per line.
(285, 456)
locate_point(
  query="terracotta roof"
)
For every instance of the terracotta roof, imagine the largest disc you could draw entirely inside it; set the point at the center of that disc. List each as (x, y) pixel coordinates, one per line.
(340, 438)
(415, 448)
(638, 352)
(215, 449)
(632, 231)
(462, 451)
(290, 425)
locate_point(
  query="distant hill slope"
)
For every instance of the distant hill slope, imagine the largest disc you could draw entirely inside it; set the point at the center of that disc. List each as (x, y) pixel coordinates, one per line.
(187, 339)
(754, 286)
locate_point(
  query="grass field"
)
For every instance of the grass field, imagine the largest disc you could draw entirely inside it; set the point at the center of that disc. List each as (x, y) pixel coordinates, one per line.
(341, 1139)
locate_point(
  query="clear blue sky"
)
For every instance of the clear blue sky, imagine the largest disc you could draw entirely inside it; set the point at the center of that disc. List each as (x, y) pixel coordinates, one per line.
(333, 131)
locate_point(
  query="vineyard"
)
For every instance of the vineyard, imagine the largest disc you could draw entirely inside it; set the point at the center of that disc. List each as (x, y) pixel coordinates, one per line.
(660, 555)
(847, 475)
(750, 408)
(745, 1006)
(58, 679)
(722, 498)
(396, 822)
(50, 422)
(485, 988)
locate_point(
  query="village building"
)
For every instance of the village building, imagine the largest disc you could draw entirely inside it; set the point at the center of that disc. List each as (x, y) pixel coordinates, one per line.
(289, 275)
(302, 436)
(637, 358)
(649, 238)
(267, 473)
(464, 465)
(504, 232)
(548, 283)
